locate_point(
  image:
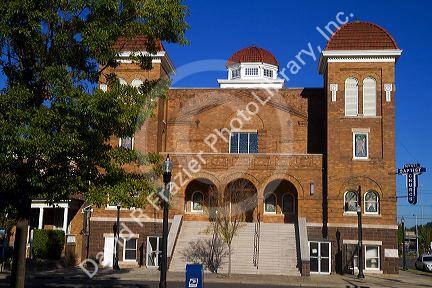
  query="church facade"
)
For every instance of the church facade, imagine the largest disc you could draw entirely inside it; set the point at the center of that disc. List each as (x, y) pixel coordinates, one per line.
(307, 160)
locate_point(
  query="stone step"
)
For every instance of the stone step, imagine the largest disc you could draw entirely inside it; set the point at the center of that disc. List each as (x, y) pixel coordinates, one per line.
(278, 254)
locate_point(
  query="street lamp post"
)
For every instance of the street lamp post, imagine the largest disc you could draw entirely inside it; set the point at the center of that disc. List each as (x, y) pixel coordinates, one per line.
(116, 240)
(403, 244)
(360, 244)
(167, 169)
(360, 236)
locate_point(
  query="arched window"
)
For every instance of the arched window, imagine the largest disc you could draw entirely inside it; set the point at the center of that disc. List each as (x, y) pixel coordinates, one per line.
(197, 202)
(351, 97)
(122, 81)
(288, 204)
(369, 97)
(270, 203)
(371, 202)
(350, 201)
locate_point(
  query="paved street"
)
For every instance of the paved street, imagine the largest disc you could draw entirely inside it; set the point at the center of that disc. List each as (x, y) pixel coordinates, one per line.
(137, 284)
(149, 279)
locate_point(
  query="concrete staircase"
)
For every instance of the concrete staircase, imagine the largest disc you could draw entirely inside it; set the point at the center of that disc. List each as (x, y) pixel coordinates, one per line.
(277, 248)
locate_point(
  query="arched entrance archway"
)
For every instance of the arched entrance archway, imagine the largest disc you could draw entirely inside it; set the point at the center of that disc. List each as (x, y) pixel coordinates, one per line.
(241, 197)
(281, 198)
(200, 195)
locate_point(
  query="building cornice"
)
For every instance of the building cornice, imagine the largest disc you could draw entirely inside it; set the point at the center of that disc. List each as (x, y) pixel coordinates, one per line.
(160, 57)
(346, 56)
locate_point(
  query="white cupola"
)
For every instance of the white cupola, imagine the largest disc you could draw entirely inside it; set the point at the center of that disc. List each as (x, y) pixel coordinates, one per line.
(252, 67)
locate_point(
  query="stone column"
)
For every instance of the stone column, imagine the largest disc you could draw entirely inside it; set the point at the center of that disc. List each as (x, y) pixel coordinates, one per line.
(41, 213)
(65, 219)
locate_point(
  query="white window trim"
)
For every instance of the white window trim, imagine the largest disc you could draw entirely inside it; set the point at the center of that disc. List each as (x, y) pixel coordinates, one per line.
(132, 140)
(294, 202)
(275, 203)
(344, 202)
(192, 203)
(251, 75)
(379, 258)
(378, 203)
(357, 99)
(238, 140)
(319, 253)
(355, 132)
(124, 249)
(363, 97)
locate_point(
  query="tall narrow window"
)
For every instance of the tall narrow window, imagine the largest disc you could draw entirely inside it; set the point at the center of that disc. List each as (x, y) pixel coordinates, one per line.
(197, 202)
(351, 200)
(270, 203)
(235, 73)
(244, 142)
(288, 203)
(351, 97)
(372, 257)
(360, 145)
(130, 250)
(371, 203)
(369, 97)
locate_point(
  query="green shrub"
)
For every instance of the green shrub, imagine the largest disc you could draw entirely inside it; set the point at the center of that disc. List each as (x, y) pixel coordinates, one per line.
(48, 244)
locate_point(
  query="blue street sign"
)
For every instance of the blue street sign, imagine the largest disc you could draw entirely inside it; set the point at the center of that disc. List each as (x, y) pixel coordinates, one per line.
(411, 172)
(194, 276)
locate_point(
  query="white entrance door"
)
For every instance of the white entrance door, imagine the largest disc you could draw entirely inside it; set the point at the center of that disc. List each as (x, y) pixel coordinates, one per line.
(108, 252)
(153, 250)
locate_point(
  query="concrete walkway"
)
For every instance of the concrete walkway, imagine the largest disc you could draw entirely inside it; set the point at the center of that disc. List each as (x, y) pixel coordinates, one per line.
(405, 279)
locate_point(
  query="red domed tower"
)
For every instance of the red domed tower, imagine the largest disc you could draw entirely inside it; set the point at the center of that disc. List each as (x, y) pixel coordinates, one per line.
(252, 67)
(358, 65)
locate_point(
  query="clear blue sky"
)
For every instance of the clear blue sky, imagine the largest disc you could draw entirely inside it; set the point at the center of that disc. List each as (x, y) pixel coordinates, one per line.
(219, 28)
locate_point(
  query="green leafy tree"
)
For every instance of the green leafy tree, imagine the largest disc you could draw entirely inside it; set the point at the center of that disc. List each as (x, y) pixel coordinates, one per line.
(54, 123)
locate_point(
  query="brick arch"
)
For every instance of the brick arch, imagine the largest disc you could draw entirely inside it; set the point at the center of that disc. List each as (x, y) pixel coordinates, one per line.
(282, 176)
(366, 183)
(234, 176)
(256, 122)
(204, 175)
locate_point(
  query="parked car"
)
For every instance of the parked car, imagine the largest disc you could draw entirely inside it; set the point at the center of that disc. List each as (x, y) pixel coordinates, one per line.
(424, 262)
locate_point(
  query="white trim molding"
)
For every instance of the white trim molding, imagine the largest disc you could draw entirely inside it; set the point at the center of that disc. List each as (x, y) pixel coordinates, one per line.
(334, 89)
(388, 88)
(365, 242)
(160, 57)
(385, 55)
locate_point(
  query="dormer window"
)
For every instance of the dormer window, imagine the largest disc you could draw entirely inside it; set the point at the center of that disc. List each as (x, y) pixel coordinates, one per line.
(235, 73)
(268, 73)
(251, 71)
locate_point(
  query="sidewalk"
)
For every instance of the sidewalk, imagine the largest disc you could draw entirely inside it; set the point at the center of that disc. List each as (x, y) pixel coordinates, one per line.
(405, 279)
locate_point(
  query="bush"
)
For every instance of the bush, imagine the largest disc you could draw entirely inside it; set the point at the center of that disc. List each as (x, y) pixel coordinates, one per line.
(48, 244)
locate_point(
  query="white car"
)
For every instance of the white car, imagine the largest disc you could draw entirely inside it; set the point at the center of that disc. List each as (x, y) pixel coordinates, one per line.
(424, 262)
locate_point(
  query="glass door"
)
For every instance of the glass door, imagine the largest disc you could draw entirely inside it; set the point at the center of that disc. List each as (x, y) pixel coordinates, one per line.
(153, 250)
(320, 261)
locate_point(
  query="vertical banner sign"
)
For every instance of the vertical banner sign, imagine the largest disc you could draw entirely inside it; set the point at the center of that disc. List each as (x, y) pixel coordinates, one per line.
(411, 172)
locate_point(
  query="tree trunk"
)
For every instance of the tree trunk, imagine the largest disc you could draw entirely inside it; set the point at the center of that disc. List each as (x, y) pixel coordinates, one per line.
(19, 253)
(229, 260)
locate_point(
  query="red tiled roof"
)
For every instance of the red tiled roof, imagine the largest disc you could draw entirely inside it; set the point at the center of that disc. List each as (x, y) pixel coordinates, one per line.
(253, 54)
(137, 43)
(361, 36)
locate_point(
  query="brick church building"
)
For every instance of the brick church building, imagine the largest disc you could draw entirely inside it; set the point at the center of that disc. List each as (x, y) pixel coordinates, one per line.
(308, 159)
